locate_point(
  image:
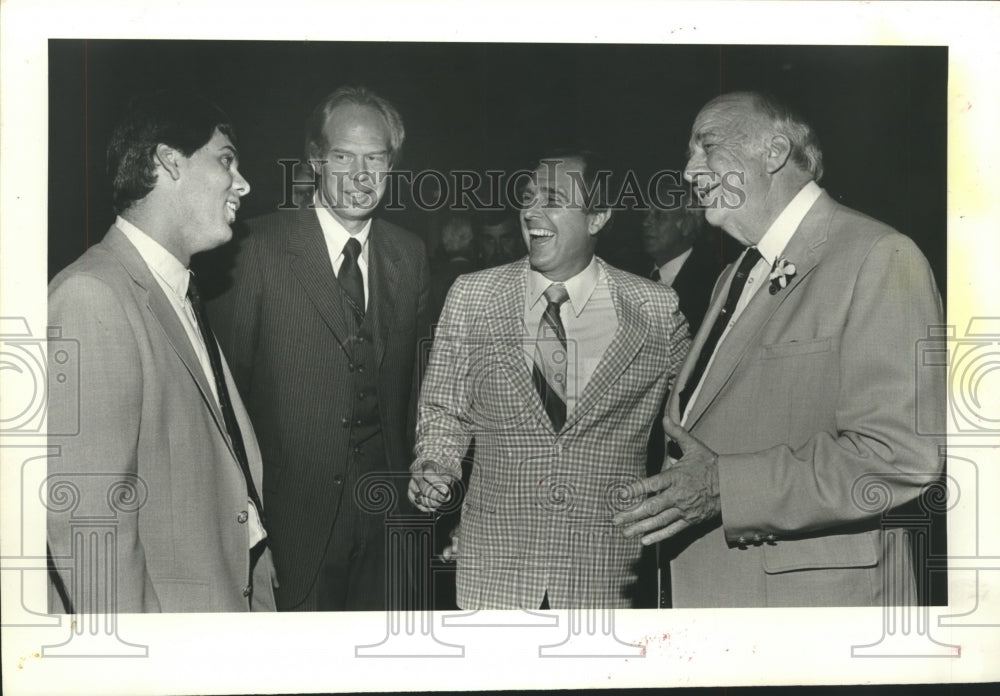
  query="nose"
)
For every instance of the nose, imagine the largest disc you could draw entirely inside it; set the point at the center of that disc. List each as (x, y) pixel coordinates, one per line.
(241, 185)
(695, 163)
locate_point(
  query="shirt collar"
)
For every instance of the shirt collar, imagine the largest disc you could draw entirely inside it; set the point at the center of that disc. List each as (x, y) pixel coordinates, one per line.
(781, 230)
(579, 288)
(160, 261)
(337, 236)
(669, 270)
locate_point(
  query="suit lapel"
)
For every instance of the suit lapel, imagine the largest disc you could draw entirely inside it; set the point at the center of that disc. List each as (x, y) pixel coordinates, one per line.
(310, 263)
(629, 338)
(385, 280)
(165, 317)
(505, 319)
(804, 250)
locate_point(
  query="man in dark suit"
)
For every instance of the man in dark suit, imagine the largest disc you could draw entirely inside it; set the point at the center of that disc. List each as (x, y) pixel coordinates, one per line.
(322, 323)
(165, 447)
(796, 406)
(683, 256)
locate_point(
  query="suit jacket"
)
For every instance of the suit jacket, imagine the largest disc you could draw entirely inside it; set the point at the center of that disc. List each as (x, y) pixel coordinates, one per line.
(152, 454)
(537, 515)
(810, 404)
(695, 281)
(285, 333)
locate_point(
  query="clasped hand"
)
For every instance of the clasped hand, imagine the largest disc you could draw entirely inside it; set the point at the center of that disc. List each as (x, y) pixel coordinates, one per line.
(430, 487)
(683, 494)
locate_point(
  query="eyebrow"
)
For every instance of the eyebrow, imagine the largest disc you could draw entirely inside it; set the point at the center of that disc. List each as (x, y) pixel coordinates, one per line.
(231, 148)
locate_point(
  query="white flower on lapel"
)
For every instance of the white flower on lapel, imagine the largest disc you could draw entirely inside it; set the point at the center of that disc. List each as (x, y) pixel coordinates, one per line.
(782, 272)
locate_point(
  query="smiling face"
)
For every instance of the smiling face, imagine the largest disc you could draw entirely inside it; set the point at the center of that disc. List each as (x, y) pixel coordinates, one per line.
(210, 190)
(559, 233)
(727, 165)
(358, 158)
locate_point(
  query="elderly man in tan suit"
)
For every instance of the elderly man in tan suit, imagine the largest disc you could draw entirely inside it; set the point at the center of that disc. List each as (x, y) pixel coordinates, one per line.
(798, 396)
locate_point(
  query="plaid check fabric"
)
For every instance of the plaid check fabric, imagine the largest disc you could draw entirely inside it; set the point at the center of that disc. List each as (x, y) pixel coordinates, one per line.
(549, 373)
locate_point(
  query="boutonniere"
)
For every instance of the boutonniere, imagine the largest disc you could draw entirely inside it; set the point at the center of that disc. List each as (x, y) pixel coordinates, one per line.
(782, 272)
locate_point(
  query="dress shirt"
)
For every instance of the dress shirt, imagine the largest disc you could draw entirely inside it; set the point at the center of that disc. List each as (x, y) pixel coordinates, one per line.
(770, 247)
(336, 237)
(669, 270)
(588, 317)
(173, 279)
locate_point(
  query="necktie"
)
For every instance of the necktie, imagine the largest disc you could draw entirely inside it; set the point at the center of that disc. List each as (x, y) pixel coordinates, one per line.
(350, 277)
(655, 275)
(750, 259)
(549, 371)
(228, 415)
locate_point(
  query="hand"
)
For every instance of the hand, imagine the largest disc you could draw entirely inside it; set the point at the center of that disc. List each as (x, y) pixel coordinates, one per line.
(430, 487)
(451, 551)
(685, 493)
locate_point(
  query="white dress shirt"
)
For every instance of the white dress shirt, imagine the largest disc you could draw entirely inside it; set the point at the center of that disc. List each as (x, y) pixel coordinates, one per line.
(336, 237)
(173, 278)
(588, 317)
(770, 246)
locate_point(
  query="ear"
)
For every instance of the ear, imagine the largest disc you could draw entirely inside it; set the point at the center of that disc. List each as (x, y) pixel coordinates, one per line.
(169, 159)
(596, 221)
(778, 151)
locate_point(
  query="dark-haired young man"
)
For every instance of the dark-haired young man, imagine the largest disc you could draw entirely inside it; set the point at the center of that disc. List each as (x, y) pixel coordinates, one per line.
(165, 449)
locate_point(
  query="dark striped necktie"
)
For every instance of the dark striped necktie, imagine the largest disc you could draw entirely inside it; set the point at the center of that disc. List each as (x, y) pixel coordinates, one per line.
(549, 372)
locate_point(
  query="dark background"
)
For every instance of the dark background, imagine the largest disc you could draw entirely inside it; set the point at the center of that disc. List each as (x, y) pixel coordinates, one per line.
(880, 113)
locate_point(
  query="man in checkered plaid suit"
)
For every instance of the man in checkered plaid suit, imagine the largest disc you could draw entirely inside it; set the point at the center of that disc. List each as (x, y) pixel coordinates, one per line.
(557, 366)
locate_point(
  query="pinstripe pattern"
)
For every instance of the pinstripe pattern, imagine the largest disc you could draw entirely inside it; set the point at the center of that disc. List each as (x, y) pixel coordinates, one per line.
(537, 515)
(283, 328)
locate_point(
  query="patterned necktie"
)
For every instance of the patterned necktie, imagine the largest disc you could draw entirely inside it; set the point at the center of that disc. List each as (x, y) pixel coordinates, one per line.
(750, 259)
(350, 277)
(228, 415)
(549, 371)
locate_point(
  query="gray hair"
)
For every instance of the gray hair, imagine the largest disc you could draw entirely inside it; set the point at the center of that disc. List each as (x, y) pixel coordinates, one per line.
(805, 152)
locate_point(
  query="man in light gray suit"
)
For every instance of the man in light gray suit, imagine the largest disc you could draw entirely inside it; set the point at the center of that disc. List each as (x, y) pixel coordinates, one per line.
(165, 447)
(797, 400)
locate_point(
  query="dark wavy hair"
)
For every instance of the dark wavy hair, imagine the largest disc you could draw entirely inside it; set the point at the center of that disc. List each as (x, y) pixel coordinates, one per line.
(181, 120)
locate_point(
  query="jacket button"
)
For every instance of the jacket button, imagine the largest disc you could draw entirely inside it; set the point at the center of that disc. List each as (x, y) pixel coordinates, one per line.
(246, 590)
(338, 479)
(357, 450)
(345, 421)
(756, 538)
(771, 537)
(242, 517)
(361, 395)
(742, 541)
